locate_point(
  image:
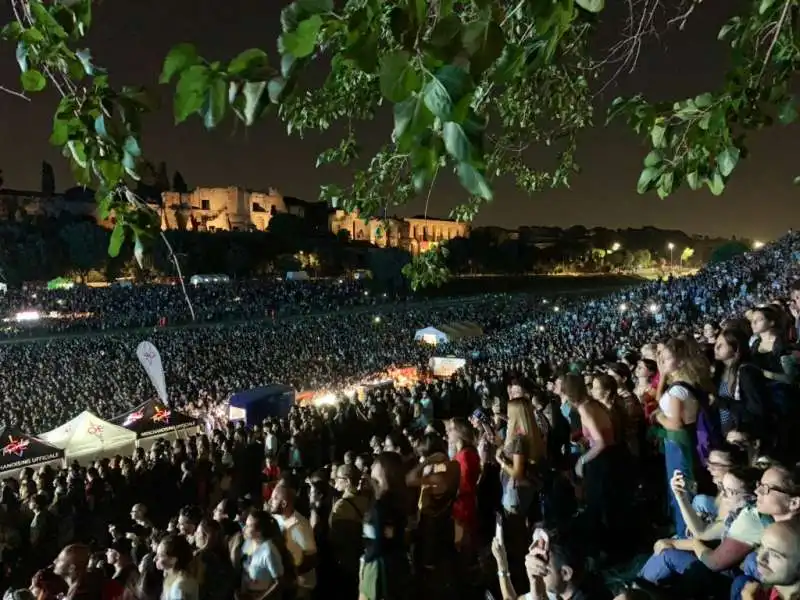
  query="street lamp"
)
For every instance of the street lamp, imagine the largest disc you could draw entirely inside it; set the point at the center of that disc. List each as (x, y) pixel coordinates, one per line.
(758, 245)
(615, 246)
(671, 247)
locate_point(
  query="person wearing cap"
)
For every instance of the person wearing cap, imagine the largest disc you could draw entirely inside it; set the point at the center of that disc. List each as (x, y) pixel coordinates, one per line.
(119, 555)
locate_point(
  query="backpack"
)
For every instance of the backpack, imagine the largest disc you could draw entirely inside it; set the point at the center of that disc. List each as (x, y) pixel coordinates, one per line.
(708, 426)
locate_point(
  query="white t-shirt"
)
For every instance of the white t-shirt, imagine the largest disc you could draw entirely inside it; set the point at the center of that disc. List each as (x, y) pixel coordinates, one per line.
(262, 566)
(300, 542)
(182, 587)
(690, 406)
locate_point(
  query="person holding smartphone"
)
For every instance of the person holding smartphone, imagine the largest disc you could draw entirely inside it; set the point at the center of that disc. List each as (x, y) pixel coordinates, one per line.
(552, 567)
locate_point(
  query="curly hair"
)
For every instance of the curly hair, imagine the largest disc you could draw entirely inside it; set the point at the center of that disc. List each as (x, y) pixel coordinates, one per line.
(693, 366)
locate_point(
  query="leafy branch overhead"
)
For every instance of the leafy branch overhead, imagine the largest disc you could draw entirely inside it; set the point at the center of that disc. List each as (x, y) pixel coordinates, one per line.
(97, 126)
(470, 85)
(700, 141)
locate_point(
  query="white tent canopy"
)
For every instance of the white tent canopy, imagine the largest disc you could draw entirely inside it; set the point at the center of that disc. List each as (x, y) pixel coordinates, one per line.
(88, 434)
(442, 334)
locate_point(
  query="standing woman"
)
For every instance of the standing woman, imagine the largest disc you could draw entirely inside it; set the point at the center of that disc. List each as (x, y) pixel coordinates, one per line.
(601, 467)
(523, 452)
(742, 394)
(174, 558)
(687, 385)
(385, 570)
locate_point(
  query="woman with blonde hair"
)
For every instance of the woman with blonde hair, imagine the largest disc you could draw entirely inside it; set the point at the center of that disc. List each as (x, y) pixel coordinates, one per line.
(685, 403)
(518, 457)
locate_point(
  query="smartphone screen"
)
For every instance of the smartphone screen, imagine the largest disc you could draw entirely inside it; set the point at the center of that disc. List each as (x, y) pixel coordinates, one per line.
(541, 540)
(498, 530)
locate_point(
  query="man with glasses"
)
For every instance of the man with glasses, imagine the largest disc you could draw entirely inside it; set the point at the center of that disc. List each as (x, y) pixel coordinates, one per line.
(777, 496)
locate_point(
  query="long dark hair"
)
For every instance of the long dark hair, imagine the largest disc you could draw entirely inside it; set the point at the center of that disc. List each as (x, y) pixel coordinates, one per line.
(739, 343)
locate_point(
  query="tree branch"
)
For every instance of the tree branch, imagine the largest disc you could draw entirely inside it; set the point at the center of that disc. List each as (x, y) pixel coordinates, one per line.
(11, 92)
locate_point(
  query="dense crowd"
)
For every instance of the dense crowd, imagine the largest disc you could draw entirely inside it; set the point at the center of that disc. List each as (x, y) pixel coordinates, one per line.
(123, 306)
(581, 433)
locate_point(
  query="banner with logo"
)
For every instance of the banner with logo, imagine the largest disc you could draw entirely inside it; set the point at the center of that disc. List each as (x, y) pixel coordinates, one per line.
(151, 361)
(153, 418)
(18, 450)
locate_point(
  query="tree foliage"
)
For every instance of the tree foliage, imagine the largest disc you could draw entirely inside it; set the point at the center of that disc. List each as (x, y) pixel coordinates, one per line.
(471, 86)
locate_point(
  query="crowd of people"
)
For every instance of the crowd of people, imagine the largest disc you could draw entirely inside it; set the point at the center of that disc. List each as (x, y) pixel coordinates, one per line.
(581, 434)
(77, 308)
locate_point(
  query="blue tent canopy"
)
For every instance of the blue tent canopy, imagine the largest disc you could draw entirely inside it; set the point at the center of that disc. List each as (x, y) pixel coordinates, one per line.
(255, 405)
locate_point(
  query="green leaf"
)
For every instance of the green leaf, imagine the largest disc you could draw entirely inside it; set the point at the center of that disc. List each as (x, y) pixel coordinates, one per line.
(510, 63)
(657, 134)
(456, 142)
(727, 160)
(252, 59)
(412, 119)
(46, 21)
(403, 114)
(60, 133)
(301, 42)
(290, 17)
(100, 126)
(765, 6)
(216, 103)
(665, 185)
(132, 146)
(445, 31)
(716, 184)
(653, 159)
(180, 58)
(85, 58)
(275, 89)
(253, 90)
(22, 56)
(117, 237)
(398, 79)
(592, 6)
(190, 94)
(646, 178)
(704, 100)
(32, 81)
(419, 9)
(445, 89)
(473, 181)
(484, 42)
(788, 112)
(726, 29)
(693, 180)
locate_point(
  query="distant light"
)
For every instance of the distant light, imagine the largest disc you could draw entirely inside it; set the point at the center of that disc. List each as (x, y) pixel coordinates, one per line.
(615, 246)
(758, 245)
(377, 319)
(325, 400)
(27, 315)
(653, 308)
(366, 293)
(556, 308)
(623, 307)
(541, 327)
(544, 301)
(671, 246)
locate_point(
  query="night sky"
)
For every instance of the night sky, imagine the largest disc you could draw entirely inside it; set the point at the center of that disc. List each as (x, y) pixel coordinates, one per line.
(131, 39)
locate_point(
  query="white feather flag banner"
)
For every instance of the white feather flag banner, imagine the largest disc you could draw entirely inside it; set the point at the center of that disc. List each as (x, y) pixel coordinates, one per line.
(151, 361)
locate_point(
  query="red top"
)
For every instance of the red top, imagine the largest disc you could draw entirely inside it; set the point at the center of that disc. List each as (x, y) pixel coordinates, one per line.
(465, 508)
